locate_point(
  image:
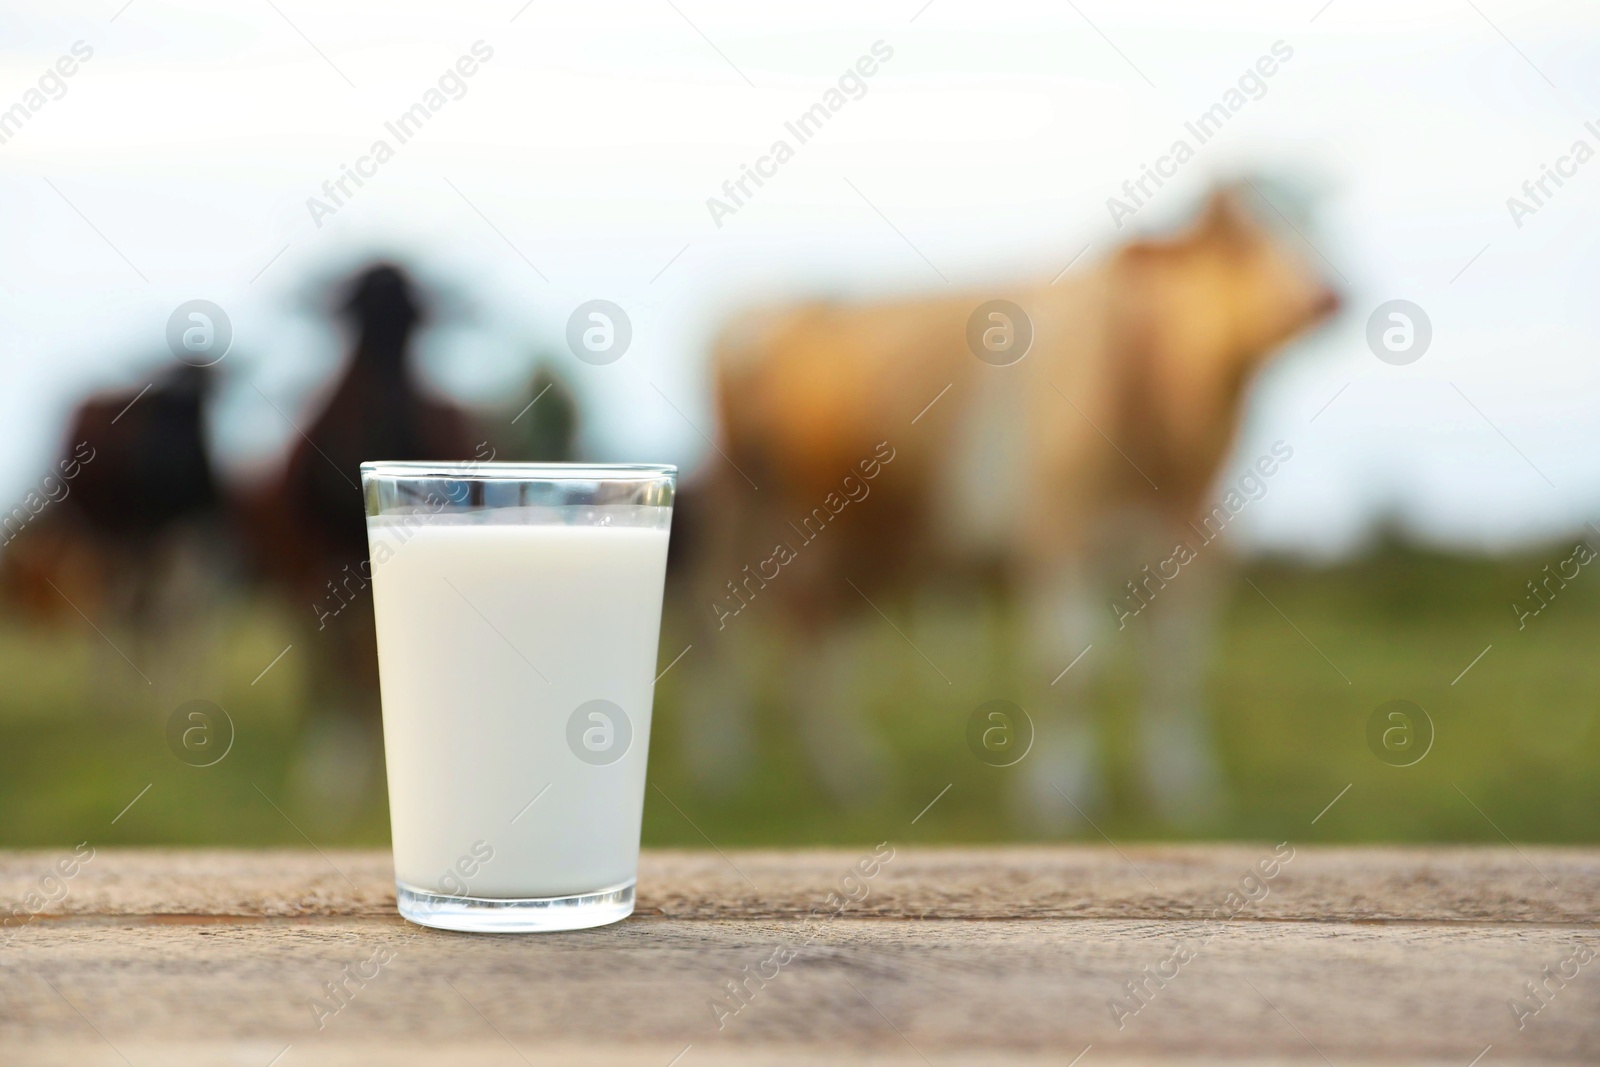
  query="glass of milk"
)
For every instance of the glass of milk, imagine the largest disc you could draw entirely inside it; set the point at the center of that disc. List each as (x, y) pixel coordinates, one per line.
(518, 609)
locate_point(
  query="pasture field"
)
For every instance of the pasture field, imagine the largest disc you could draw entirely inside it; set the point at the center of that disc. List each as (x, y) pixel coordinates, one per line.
(1292, 684)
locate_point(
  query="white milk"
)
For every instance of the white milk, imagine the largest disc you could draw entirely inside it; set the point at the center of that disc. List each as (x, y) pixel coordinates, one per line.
(469, 617)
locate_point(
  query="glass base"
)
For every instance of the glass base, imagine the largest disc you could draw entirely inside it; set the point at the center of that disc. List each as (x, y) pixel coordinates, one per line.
(516, 915)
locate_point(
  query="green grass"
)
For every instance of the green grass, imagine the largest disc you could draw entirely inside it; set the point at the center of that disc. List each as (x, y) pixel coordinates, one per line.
(81, 734)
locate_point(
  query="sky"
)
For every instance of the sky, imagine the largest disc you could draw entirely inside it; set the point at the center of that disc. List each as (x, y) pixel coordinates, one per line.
(575, 163)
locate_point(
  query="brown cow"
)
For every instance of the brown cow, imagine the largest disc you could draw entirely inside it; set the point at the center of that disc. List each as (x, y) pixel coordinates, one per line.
(307, 527)
(1059, 465)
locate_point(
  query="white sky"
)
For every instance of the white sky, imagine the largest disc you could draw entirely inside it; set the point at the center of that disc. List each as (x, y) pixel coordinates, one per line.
(991, 140)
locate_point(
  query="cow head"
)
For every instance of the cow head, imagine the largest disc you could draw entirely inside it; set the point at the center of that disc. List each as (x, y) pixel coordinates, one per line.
(1225, 293)
(383, 305)
(1270, 284)
(1195, 315)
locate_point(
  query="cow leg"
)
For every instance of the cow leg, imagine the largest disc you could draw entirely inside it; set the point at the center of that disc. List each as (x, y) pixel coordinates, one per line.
(1060, 782)
(337, 767)
(180, 598)
(121, 592)
(825, 695)
(721, 686)
(1182, 777)
(721, 679)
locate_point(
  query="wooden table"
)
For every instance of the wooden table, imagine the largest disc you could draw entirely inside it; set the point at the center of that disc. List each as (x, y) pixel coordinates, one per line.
(1011, 955)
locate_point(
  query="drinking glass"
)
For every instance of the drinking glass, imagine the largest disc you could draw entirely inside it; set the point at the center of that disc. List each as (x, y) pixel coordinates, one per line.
(518, 611)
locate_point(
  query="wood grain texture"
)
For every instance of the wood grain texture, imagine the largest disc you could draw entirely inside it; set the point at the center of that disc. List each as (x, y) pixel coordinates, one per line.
(1013, 955)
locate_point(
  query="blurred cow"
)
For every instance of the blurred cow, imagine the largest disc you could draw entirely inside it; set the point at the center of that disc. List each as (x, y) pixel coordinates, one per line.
(308, 525)
(127, 527)
(887, 452)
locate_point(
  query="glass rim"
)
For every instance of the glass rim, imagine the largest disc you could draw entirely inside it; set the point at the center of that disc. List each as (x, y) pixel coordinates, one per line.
(472, 470)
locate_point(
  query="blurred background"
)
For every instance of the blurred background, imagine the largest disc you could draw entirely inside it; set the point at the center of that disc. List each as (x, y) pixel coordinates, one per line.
(180, 511)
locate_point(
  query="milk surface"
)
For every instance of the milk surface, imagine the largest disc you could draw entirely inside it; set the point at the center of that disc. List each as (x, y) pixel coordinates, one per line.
(489, 637)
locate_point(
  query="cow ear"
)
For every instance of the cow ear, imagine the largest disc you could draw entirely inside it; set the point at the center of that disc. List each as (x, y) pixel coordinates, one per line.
(1224, 223)
(1223, 213)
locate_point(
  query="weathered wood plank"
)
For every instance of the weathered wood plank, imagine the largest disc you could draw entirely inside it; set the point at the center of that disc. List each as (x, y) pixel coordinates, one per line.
(218, 957)
(1355, 992)
(1539, 885)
